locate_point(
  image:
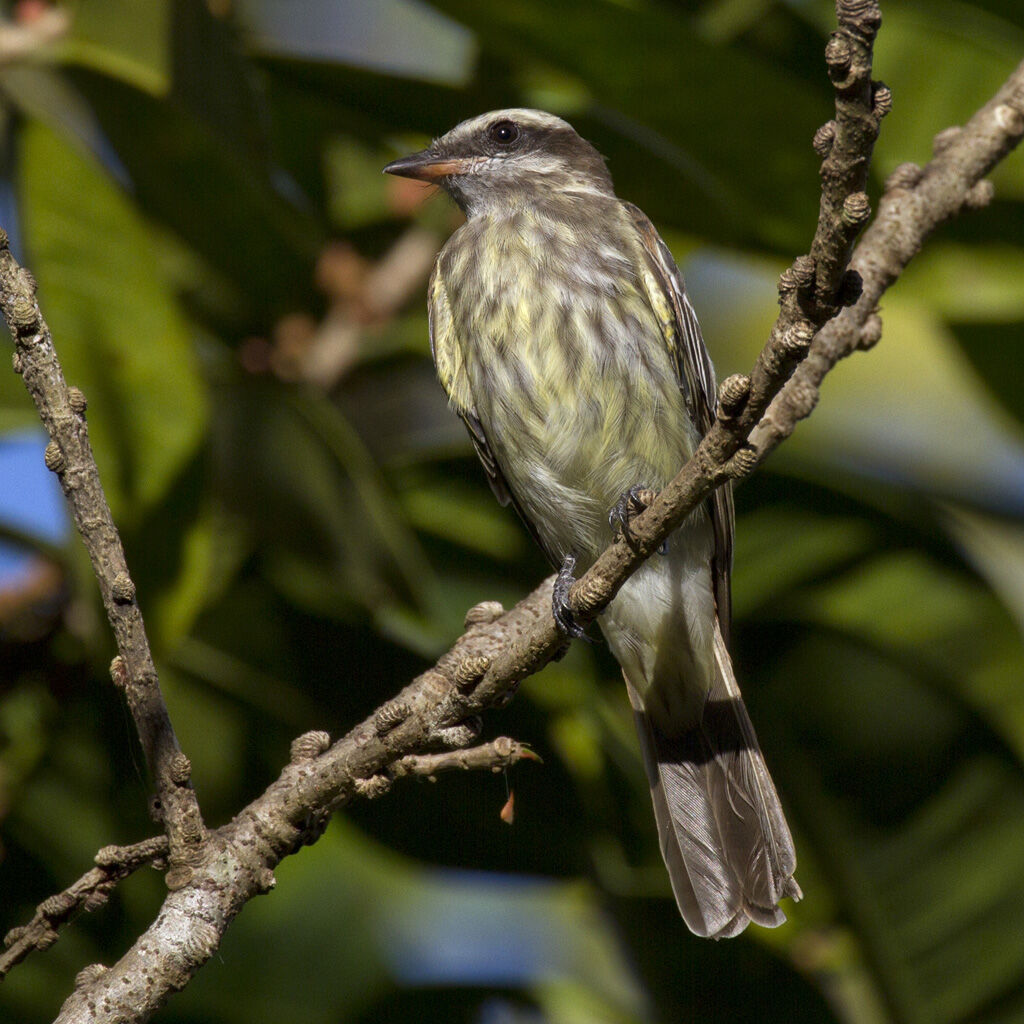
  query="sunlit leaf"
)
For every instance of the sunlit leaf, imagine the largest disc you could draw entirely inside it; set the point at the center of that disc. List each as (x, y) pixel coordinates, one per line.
(969, 284)
(996, 548)
(125, 40)
(977, 54)
(117, 327)
(911, 412)
(45, 94)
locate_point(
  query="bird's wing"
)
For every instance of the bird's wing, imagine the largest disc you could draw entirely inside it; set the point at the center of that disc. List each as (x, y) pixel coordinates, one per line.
(451, 371)
(681, 333)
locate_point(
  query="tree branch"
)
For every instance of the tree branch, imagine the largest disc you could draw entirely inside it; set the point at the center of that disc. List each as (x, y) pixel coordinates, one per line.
(494, 756)
(90, 892)
(69, 455)
(916, 201)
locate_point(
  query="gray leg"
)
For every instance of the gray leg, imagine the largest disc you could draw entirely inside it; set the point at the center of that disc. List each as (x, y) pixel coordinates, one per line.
(563, 614)
(631, 503)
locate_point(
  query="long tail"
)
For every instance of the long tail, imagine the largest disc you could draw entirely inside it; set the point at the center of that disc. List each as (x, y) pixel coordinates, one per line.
(723, 835)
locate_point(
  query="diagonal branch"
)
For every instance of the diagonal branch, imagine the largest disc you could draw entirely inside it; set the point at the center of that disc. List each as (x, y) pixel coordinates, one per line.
(916, 201)
(69, 455)
(90, 892)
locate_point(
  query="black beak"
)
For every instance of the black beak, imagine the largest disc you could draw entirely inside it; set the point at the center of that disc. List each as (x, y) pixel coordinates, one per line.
(427, 166)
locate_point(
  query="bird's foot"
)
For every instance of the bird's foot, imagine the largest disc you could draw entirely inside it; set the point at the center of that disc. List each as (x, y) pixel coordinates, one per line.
(564, 616)
(630, 504)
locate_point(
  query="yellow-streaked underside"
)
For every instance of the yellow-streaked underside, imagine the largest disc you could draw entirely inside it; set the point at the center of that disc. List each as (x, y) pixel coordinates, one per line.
(558, 351)
(564, 353)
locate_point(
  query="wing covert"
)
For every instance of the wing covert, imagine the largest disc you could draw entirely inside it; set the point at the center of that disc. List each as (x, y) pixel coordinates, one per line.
(696, 375)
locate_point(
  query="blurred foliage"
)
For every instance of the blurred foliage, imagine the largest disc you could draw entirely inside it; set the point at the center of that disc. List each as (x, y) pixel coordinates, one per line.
(196, 187)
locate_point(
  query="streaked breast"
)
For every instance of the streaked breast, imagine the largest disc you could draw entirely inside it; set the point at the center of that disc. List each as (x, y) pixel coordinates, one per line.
(569, 373)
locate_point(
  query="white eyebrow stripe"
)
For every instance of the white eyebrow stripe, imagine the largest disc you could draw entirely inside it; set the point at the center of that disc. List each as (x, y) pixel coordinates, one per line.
(538, 162)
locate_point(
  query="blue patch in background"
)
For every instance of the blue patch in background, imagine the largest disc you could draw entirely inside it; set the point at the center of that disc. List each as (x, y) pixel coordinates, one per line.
(30, 499)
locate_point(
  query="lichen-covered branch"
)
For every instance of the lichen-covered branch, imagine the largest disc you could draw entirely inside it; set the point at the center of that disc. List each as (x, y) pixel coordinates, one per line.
(494, 756)
(91, 891)
(916, 201)
(811, 292)
(69, 455)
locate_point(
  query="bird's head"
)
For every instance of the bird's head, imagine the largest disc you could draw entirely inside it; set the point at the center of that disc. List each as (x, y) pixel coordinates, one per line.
(507, 158)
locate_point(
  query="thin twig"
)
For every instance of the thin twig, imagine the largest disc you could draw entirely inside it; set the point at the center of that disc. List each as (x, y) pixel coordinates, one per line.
(91, 891)
(389, 283)
(916, 201)
(69, 455)
(494, 756)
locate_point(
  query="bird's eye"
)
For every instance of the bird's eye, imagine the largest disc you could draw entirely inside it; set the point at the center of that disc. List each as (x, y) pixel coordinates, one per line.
(503, 132)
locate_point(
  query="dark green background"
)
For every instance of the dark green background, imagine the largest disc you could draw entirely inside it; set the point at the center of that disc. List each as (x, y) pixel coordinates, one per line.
(300, 555)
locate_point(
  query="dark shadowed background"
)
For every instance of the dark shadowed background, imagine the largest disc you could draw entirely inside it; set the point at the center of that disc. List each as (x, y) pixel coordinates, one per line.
(241, 295)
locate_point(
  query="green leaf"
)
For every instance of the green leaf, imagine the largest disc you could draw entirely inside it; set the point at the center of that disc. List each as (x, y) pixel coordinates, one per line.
(329, 530)
(123, 39)
(996, 549)
(953, 629)
(779, 549)
(24, 715)
(975, 52)
(332, 430)
(43, 93)
(400, 37)
(659, 89)
(117, 326)
(904, 724)
(465, 516)
(916, 815)
(968, 284)
(206, 544)
(231, 212)
(495, 932)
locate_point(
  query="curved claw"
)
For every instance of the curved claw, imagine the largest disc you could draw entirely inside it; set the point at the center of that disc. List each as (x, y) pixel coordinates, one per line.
(564, 617)
(631, 503)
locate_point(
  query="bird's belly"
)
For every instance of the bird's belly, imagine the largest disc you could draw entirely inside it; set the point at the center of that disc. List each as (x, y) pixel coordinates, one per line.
(570, 446)
(579, 407)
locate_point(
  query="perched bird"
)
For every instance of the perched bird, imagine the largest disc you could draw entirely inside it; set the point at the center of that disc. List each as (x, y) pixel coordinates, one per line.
(564, 338)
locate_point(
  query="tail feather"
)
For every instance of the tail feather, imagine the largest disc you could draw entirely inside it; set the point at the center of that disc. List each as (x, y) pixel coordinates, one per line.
(723, 835)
